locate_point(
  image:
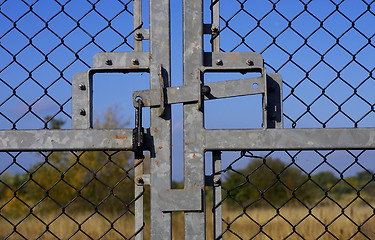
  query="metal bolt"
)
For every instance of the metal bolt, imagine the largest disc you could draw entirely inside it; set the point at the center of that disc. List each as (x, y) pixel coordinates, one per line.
(249, 62)
(108, 62)
(139, 180)
(82, 86)
(217, 182)
(138, 36)
(219, 62)
(82, 112)
(214, 29)
(135, 61)
(206, 90)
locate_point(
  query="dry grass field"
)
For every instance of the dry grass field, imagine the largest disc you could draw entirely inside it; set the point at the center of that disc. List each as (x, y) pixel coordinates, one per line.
(274, 226)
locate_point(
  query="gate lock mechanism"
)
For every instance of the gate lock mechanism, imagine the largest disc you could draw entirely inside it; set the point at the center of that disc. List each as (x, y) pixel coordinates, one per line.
(138, 131)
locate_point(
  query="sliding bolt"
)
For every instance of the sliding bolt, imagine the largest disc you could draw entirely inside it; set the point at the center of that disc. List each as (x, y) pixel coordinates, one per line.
(108, 62)
(219, 62)
(82, 86)
(135, 61)
(249, 62)
(82, 112)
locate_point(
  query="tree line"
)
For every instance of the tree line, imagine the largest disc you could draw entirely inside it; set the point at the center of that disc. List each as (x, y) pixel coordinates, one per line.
(104, 181)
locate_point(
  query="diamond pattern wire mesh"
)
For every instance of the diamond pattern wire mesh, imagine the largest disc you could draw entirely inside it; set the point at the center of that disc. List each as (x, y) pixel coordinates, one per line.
(69, 195)
(270, 198)
(43, 44)
(66, 195)
(322, 50)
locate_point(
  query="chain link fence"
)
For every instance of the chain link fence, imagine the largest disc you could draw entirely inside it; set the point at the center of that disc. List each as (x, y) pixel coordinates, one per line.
(323, 50)
(60, 195)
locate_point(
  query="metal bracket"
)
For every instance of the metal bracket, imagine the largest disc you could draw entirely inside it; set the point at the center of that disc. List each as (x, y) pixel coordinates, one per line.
(142, 34)
(82, 82)
(268, 84)
(181, 200)
(121, 62)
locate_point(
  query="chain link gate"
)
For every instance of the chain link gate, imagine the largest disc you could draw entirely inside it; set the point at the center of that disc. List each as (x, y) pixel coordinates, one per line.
(73, 145)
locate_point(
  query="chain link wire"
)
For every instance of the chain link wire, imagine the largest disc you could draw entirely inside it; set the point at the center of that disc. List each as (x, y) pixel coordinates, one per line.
(63, 195)
(272, 198)
(322, 50)
(43, 44)
(69, 195)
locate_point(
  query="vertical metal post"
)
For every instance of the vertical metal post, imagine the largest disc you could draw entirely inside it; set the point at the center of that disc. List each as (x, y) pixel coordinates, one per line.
(138, 172)
(195, 222)
(160, 126)
(138, 194)
(215, 19)
(217, 211)
(137, 21)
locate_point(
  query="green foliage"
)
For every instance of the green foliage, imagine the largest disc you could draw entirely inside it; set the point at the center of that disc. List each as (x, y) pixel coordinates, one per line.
(54, 123)
(270, 179)
(265, 182)
(73, 181)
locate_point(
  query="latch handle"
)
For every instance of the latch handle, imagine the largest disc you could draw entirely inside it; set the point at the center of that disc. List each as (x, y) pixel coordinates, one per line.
(138, 137)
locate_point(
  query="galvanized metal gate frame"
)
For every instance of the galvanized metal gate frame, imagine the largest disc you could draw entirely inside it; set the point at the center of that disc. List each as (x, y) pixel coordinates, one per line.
(197, 139)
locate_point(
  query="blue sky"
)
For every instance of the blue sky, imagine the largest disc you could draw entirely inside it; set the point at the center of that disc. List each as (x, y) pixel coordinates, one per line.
(311, 48)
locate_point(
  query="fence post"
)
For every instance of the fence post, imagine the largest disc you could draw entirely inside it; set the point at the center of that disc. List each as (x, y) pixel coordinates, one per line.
(195, 222)
(160, 126)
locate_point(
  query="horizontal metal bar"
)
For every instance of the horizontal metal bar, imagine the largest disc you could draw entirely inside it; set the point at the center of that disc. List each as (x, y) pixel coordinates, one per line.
(191, 93)
(69, 140)
(129, 61)
(232, 61)
(235, 88)
(290, 139)
(181, 200)
(173, 95)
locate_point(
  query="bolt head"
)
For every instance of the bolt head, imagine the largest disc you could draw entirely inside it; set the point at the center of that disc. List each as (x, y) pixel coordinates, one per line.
(217, 181)
(249, 62)
(206, 90)
(214, 29)
(138, 36)
(108, 62)
(82, 86)
(135, 61)
(219, 62)
(82, 112)
(139, 180)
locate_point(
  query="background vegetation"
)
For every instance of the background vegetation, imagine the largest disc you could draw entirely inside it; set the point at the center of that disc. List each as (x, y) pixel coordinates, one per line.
(79, 193)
